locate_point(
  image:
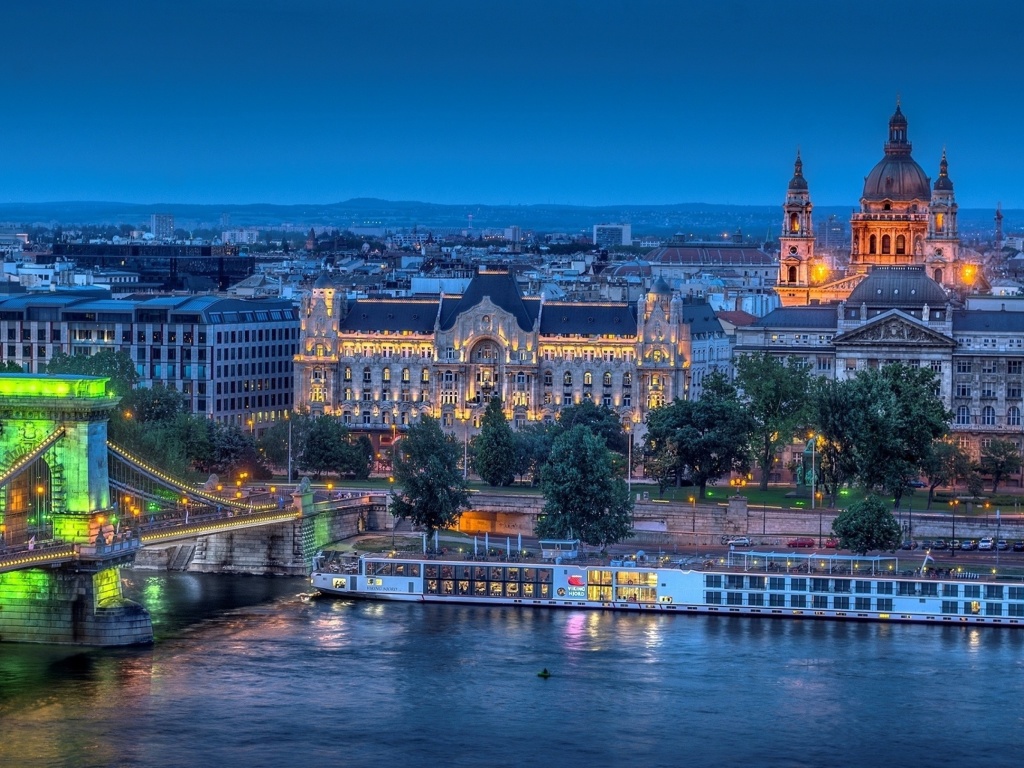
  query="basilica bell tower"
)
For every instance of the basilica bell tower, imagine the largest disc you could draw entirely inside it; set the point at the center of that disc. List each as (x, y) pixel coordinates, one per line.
(797, 240)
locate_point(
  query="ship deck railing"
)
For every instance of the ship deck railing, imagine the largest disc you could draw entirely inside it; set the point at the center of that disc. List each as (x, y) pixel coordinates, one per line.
(814, 562)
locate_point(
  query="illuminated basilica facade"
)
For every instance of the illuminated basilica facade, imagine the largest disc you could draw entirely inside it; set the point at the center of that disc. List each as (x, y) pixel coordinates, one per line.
(381, 364)
(904, 220)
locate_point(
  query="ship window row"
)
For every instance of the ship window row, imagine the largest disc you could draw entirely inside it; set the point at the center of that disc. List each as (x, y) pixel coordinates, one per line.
(493, 573)
(473, 588)
(782, 600)
(797, 584)
(605, 578)
(390, 568)
(974, 608)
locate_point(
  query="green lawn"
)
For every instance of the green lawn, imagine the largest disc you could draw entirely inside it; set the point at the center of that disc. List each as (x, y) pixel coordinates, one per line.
(778, 497)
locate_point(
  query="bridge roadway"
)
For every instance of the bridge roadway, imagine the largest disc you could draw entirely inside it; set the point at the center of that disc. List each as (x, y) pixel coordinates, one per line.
(162, 529)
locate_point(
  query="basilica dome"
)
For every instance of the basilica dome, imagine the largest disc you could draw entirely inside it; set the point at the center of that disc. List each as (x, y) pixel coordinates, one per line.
(897, 176)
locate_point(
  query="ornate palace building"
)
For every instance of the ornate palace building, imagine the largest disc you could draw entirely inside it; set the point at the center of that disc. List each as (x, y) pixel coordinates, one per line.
(380, 364)
(902, 314)
(904, 220)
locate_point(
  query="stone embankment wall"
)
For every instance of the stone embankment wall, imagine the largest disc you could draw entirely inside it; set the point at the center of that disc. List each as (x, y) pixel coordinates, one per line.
(680, 524)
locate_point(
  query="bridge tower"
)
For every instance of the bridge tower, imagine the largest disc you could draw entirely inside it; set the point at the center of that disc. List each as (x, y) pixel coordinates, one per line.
(54, 487)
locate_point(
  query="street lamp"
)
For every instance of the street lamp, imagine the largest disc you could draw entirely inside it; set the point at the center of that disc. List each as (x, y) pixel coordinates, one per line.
(629, 456)
(997, 539)
(814, 477)
(953, 505)
(40, 490)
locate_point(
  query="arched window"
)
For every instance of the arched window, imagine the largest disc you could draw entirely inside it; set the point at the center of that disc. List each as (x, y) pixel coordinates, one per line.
(901, 244)
(792, 275)
(937, 276)
(567, 379)
(425, 377)
(348, 374)
(588, 379)
(386, 374)
(794, 222)
(886, 244)
(873, 244)
(963, 415)
(405, 375)
(549, 378)
(606, 380)
(366, 374)
(1013, 416)
(627, 379)
(988, 415)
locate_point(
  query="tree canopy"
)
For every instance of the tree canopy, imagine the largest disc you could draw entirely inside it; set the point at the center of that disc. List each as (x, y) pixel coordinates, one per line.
(706, 439)
(998, 459)
(117, 366)
(429, 487)
(494, 449)
(583, 497)
(602, 421)
(777, 397)
(868, 525)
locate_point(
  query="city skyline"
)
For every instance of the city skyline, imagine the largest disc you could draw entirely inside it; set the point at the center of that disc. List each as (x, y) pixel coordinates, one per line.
(589, 104)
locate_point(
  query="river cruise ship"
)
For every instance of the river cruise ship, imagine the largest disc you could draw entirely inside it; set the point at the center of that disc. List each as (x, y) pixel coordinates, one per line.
(742, 583)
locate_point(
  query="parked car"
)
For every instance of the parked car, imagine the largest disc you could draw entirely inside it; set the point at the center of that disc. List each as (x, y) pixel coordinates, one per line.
(968, 544)
(1018, 545)
(801, 541)
(739, 541)
(1002, 545)
(832, 543)
(939, 544)
(917, 484)
(955, 543)
(986, 544)
(909, 544)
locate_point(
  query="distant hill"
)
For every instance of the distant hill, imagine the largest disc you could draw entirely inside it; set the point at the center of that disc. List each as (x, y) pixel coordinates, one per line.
(701, 220)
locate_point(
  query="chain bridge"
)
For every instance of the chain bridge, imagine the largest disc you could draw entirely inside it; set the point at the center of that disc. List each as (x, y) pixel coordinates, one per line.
(76, 508)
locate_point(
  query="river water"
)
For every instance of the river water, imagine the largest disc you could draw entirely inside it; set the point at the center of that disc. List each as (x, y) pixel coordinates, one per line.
(246, 673)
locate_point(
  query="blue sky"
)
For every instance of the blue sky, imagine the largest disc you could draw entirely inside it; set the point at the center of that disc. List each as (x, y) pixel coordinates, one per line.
(586, 102)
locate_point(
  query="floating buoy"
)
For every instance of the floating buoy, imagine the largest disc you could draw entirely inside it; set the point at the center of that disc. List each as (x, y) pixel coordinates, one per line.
(544, 673)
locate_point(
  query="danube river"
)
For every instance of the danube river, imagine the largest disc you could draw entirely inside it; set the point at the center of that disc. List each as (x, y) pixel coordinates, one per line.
(246, 673)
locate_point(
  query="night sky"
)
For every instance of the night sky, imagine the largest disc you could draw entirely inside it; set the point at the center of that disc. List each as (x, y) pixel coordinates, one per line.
(583, 102)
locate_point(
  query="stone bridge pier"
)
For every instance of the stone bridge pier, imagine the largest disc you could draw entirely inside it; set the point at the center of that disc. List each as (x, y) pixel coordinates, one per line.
(54, 485)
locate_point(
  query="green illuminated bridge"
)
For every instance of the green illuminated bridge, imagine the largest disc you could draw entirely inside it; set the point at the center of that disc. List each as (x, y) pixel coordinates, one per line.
(75, 508)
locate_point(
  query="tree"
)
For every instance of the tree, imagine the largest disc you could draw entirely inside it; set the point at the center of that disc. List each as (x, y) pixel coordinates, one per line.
(868, 525)
(777, 396)
(494, 450)
(533, 447)
(324, 447)
(9, 366)
(835, 421)
(999, 459)
(582, 495)
(900, 416)
(117, 366)
(708, 438)
(945, 464)
(601, 420)
(430, 490)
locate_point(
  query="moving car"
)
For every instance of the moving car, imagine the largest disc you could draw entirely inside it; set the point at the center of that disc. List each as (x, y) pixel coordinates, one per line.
(801, 541)
(739, 541)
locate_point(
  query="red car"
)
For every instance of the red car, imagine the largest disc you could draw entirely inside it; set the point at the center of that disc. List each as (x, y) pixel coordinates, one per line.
(832, 543)
(801, 541)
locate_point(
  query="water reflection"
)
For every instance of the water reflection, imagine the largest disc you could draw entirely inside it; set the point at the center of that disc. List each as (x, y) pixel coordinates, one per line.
(246, 671)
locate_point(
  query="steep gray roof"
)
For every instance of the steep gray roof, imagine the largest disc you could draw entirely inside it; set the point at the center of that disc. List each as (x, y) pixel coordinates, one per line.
(799, 317)
(585, 319)
(503, 291)
(907, 286)
(982, 320)
(368, 315)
